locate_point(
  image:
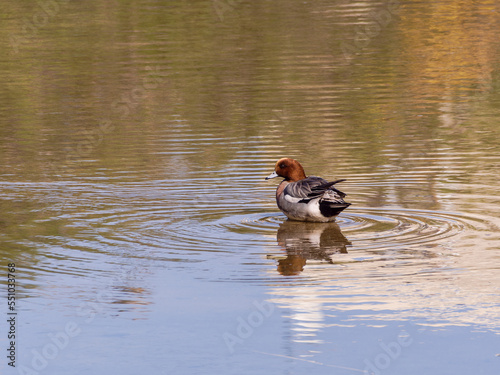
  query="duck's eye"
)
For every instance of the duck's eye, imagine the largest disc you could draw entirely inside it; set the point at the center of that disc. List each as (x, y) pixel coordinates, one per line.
(283, 166)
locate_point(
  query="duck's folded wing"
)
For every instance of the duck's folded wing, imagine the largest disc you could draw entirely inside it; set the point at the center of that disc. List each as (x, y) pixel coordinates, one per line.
(309, 188)
(319, 190)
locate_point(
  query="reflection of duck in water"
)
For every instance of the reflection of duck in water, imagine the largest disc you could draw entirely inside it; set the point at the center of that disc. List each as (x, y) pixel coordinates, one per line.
(303, 241)
(306, 198)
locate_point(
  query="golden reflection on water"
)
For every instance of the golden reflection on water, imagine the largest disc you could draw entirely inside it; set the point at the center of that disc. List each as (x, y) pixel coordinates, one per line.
(450, 48)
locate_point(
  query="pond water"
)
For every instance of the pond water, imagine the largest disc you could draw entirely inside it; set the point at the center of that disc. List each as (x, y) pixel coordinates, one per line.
(134, 141)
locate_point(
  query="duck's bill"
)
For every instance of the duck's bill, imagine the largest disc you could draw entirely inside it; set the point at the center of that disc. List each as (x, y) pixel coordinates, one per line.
(272, 175)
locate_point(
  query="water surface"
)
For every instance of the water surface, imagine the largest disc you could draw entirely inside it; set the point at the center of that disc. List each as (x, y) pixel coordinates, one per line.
(134, 142)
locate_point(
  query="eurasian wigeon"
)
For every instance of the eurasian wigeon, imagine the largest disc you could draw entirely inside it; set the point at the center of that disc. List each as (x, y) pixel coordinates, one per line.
(306, 198)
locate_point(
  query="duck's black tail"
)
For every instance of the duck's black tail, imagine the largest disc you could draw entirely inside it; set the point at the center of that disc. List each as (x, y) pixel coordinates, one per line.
(330, 209)
(332, 202)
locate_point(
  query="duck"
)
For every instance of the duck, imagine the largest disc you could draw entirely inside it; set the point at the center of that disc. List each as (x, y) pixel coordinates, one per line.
(305, 198)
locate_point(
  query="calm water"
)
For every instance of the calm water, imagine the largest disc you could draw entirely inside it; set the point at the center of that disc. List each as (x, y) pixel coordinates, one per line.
(134, 141)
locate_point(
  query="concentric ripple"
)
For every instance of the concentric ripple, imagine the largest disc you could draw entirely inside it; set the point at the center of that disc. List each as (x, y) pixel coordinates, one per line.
(170, 225)
(365, 228)
(373, 228)
(370, 228)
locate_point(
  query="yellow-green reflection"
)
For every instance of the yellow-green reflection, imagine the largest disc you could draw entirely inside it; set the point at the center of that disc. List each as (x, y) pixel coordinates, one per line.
(129, 131)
